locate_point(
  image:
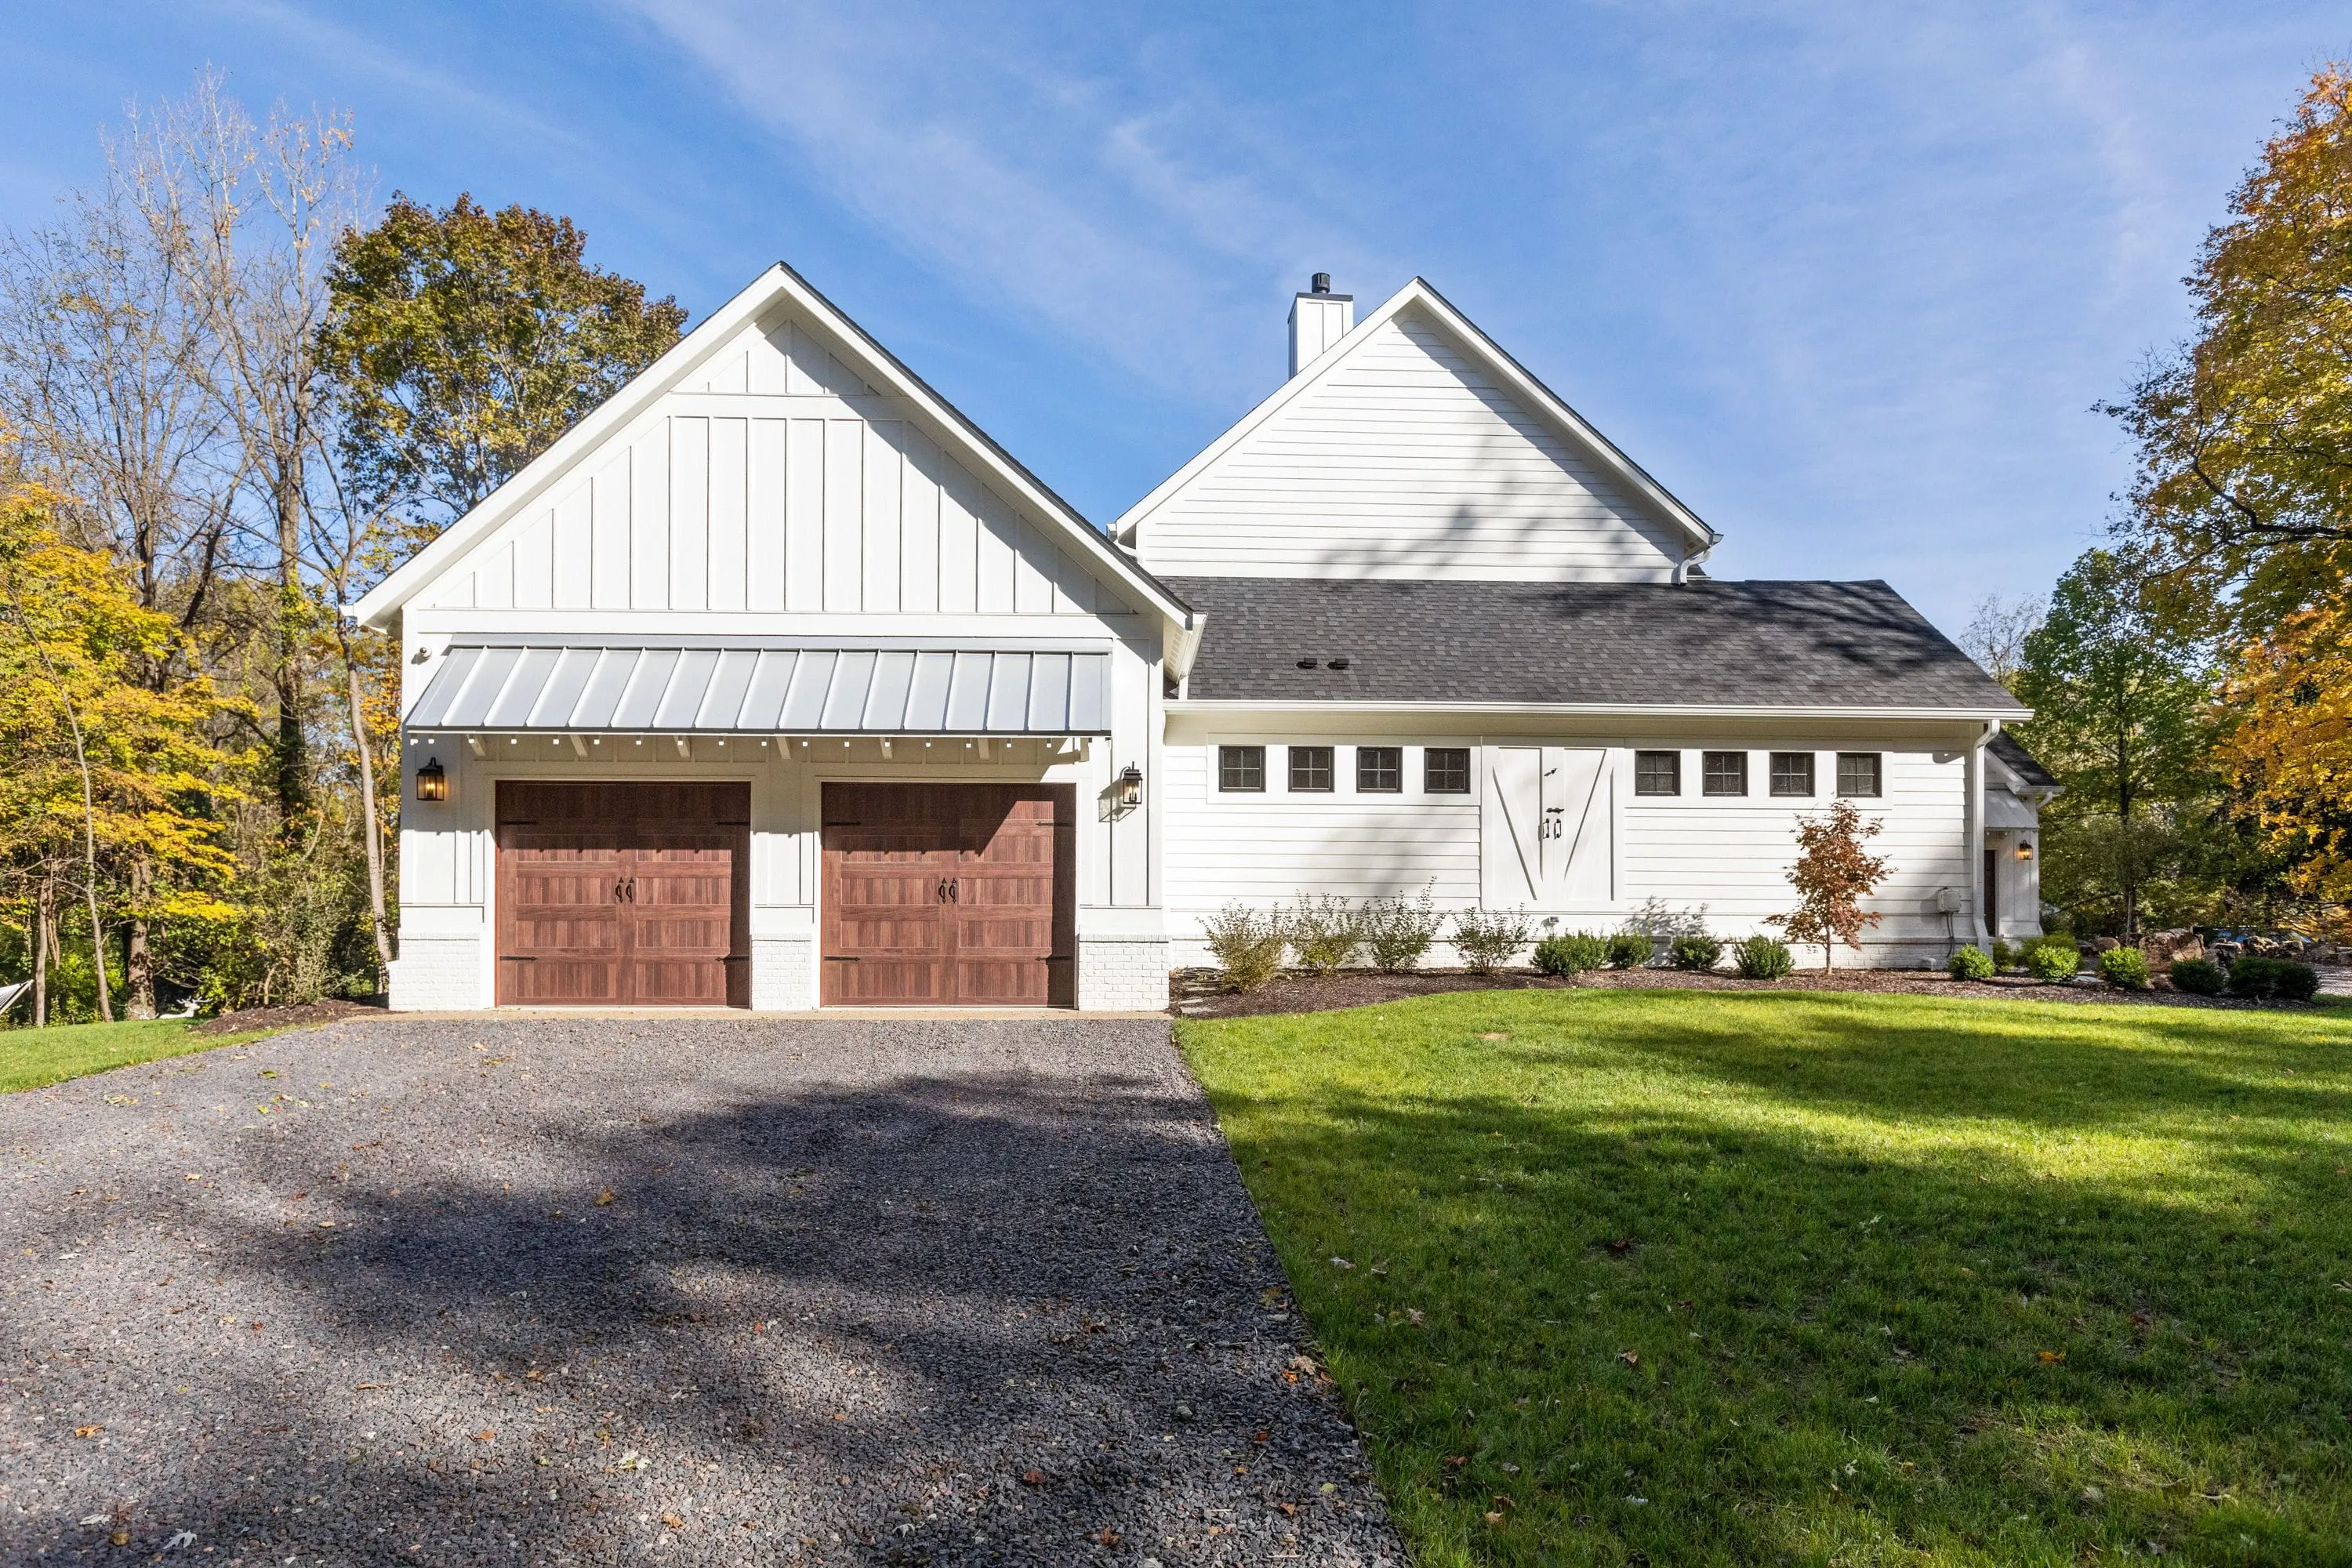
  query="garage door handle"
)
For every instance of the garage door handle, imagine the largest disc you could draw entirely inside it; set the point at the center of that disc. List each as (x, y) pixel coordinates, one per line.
(949, 892)
(624, 891)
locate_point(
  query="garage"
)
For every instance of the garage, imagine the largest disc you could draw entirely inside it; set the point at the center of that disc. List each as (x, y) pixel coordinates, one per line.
(949, 894)
(629, 895)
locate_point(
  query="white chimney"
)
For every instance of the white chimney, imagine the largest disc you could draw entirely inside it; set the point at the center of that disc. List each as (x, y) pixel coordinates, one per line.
(1318, 319)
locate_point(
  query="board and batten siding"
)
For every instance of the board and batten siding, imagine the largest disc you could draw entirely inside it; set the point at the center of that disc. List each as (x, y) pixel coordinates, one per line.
(1407, 461)
(777, 483)
(1731, 854)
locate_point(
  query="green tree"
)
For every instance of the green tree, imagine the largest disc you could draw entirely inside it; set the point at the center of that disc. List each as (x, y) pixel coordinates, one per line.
(2244, 492)
(2121, 717)
(465, 341)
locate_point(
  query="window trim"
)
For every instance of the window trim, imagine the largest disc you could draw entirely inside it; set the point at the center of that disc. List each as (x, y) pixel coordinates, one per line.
(1290, 755)
(1225, 788)
(1464, 752)
(1812, 773)
(1396, 773)
(1674, 760)
(1877, 790)
(1707, 765)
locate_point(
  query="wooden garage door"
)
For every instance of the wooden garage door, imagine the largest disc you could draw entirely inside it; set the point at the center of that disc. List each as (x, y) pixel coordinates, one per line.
(950, 894)
(625, 895)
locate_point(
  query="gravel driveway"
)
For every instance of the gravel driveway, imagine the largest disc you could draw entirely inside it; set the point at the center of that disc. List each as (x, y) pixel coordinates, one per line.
(700, 1291)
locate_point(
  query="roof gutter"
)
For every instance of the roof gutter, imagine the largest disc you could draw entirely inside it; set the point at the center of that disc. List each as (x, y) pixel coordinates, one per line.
(1993, 716)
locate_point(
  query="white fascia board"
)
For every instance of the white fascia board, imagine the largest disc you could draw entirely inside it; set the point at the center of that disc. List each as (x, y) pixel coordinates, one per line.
(1221, 705)
(1481, 348)
(778, 283)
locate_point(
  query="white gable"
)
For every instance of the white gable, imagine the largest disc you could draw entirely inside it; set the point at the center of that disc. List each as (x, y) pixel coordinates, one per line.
(779, 480)
(1413, 448)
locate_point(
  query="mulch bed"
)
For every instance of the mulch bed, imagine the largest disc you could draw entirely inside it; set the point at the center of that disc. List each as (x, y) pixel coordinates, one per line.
(1199, 992)
(327, 1011)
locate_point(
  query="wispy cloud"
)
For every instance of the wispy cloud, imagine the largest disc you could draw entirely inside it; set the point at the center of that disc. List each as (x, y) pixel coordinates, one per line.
(1142, 219)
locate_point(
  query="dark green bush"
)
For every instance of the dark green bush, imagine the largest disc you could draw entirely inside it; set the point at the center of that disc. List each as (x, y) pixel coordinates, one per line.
(1571, 953)
(2004, 957)
(2199, 977)
(1695, 950)
(1971, 963)
(1763, 958)
(2051, 962)
(2124, 968)
(2260, 979)
(1631, 950)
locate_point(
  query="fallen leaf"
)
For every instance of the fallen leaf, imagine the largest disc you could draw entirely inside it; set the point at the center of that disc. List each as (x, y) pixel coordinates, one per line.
(2048, 1358)
(1341, 1263)
(1631, 1358)
(1456, 1461)
(88, 1432)
(605, 1198)
(488, 1433)
(1493, 1518)
(296, 1197)
(1416, 1316)
(673, 1521)
(1032, 1478)
(1106, 1536)
(1289, 1507)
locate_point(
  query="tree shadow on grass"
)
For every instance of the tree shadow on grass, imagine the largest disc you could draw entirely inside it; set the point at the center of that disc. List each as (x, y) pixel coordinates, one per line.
(1695, 1326)
(943, 1318)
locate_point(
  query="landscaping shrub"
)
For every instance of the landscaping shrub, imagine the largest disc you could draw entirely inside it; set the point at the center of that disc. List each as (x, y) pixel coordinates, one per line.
(2199, 976)
(2124, 968)
(2260, 979)
(1325, 932)
(1571, 953)
(2004, 957)
(1398, 932)
(1487, 938)
(1763, 958)
(1695, 950)
(1971, 963)
(1631, 950)
(1247, 943)
(2053, 961)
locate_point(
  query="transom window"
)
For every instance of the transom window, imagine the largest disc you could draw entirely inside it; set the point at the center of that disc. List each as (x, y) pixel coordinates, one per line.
(1858, 774)
(1724, 773)
(1657, 773)
(1241, 770)
(1793, 774)
(1380, 770)
(1310, 770)
(1445, 769)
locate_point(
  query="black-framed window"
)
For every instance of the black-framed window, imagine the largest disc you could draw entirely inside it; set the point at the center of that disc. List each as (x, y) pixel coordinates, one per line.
(1722, 773)
(1310, 770)
(1241, 770)
(1657, 773)
(1858, 774)
(1380, 770)
(1793, 774)
(1445, 769)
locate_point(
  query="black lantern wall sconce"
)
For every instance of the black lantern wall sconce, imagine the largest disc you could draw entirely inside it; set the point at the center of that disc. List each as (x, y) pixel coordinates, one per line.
(432, 781)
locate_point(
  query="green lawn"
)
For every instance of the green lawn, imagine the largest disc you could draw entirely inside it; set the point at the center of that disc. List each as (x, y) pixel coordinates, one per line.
(1690, 1276)
(34, 1058)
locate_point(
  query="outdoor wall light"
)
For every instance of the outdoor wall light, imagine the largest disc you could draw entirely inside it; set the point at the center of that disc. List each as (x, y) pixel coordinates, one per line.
(1130, 787)
(432, 781)
(2024, 850)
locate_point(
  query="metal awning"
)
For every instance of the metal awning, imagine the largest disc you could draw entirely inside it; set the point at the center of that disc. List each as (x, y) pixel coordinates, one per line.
(715, 687)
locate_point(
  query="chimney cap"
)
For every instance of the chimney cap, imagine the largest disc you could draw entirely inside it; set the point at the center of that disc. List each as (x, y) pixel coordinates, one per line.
(1322, 283)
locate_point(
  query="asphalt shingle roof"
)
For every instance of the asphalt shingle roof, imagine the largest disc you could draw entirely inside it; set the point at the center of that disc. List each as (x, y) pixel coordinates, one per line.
(1737, 644)
(2021, 762)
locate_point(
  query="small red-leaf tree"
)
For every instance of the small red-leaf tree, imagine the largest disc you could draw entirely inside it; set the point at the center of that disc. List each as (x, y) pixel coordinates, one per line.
(1833, 875)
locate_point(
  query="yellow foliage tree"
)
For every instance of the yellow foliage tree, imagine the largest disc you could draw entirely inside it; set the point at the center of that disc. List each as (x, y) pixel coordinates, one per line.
(97, 767)
(2291, 747)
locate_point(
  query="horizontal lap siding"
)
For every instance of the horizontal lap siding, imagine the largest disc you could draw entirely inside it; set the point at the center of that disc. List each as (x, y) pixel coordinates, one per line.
(774, 508)
(1268, 849)
(1405, 458)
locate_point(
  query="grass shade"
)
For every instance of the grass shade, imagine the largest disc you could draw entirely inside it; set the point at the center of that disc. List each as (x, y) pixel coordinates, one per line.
(1617, 1276)
(35, 1058)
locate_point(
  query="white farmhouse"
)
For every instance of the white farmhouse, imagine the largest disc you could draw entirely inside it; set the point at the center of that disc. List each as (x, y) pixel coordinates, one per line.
(777, 684)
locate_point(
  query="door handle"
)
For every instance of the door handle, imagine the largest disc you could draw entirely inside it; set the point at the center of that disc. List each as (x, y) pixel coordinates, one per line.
(955, 889)
(941, 892)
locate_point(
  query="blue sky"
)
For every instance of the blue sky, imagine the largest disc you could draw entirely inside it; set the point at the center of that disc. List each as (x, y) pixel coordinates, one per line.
(1847, 278)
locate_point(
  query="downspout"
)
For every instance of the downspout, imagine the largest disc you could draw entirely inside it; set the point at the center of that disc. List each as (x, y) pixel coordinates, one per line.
(1975, 831)
(1683, 567)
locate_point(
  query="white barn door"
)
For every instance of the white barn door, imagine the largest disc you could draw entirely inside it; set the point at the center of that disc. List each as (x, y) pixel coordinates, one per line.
(1544, 828)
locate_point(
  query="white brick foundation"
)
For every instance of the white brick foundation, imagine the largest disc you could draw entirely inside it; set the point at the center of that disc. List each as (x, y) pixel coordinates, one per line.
(438, 974)
(783, 974)
(1122, 974)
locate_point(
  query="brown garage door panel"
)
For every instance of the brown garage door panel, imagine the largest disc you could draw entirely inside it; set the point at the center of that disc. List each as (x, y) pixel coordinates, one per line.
(623, 894)
(948, 893)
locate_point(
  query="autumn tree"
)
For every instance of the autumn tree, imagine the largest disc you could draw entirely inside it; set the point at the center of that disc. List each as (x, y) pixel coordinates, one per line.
(2244, 496)
(2120, 715)
(1832, 874)
(2291, 746)
(465, 341)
